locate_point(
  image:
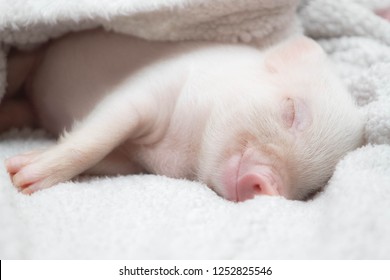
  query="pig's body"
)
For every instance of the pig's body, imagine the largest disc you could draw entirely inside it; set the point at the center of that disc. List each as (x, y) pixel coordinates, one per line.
(242, 121)
(139, 68)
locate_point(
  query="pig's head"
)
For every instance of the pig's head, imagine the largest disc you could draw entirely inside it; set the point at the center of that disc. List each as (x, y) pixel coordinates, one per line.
(283, 133)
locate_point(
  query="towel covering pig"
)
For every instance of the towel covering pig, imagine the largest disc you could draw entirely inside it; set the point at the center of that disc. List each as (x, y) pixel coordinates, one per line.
(243, 121)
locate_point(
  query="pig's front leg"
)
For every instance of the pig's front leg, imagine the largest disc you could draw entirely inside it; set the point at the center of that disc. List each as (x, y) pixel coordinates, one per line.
(117, 118)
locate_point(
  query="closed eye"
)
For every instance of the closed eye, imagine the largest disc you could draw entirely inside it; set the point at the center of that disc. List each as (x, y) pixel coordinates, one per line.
(288, 112)
(296, 114)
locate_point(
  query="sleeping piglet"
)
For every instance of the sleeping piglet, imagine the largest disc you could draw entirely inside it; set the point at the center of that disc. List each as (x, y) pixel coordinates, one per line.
(243, 121)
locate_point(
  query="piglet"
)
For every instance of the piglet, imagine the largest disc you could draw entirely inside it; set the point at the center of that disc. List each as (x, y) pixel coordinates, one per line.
(243, 121)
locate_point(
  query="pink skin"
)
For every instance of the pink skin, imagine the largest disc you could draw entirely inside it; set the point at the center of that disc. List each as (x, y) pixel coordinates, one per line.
(246, 176)
(178, 109)
(23, 178)
(385, 13)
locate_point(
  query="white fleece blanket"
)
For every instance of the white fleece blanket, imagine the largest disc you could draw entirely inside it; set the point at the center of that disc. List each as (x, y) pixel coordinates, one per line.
(154, 217)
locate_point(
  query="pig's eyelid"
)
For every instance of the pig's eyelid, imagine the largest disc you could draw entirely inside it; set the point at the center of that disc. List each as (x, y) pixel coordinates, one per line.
(288, 113)
(296, 114)
(302, 115)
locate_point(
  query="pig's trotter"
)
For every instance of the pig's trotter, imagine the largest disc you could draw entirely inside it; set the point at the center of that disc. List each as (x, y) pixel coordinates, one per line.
(42, 169)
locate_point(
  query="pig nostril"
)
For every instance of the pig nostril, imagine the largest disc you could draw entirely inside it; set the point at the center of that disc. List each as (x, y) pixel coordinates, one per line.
(257, 189)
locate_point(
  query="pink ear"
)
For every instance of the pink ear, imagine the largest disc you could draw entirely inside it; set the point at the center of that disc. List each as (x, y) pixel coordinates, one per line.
(299, 49)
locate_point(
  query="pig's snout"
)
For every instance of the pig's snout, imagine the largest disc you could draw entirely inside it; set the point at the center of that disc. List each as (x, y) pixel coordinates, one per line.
(249, 174)
(255, 183)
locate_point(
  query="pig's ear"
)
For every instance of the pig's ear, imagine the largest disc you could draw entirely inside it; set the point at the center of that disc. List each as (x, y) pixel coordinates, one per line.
(299, 49)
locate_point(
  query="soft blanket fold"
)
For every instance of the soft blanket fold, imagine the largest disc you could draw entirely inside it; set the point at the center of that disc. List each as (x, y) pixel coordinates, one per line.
(146, 216)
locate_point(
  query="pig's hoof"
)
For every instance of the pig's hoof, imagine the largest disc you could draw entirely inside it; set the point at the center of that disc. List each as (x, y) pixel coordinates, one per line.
(33, 171)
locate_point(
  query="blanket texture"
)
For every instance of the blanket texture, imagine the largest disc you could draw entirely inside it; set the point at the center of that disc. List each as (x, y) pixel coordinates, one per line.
(154, 217)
